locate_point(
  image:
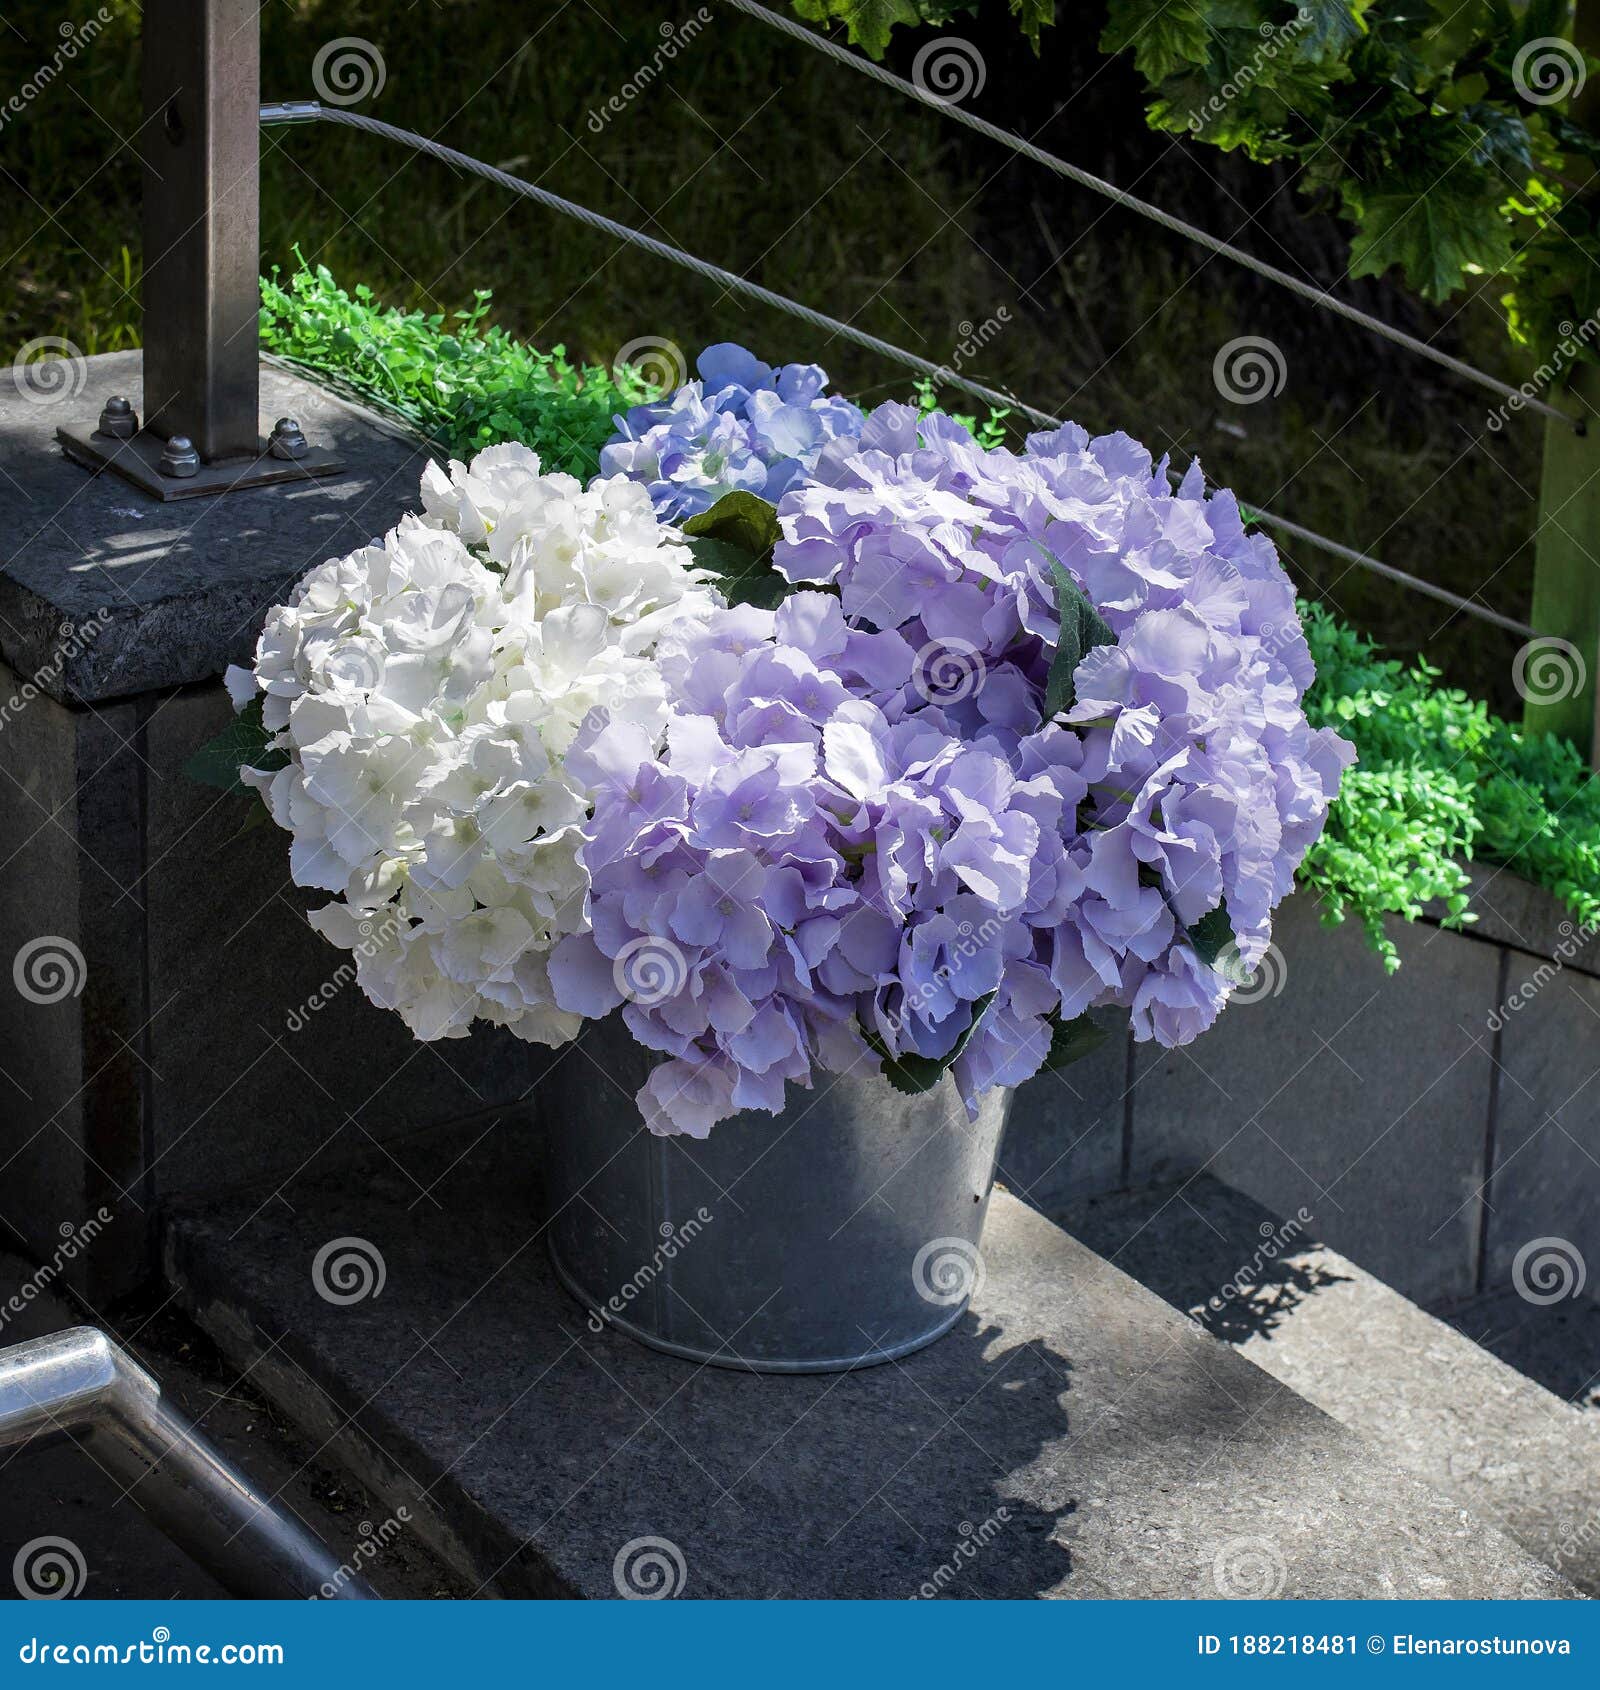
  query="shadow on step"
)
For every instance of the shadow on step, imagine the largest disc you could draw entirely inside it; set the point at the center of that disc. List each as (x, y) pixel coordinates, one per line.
(546, 1444)
(1071, 1437)
(1207, 1249)
(1556, 1343)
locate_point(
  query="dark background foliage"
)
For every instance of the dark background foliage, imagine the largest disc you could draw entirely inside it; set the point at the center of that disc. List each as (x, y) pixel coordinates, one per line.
(756, 153)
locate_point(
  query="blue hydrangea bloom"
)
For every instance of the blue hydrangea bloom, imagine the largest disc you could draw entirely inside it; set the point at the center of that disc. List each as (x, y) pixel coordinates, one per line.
(743, 426)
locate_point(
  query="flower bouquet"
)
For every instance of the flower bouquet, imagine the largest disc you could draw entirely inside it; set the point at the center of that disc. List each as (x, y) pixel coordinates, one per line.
(829, 765)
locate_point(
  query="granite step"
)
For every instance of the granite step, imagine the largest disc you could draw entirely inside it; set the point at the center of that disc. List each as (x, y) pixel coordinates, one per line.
(1074, 1436)
(1425, 1390)
(55, 1491)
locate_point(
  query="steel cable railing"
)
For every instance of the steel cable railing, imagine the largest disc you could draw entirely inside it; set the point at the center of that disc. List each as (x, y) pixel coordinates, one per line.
(310, 111)
(1319, 297)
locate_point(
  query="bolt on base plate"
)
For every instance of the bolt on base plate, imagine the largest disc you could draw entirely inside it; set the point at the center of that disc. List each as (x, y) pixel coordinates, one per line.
(139, 459)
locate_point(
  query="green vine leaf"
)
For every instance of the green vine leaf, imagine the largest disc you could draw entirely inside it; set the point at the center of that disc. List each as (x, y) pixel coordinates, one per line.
(868, 22)
(1438, 238)
(1412, 121)
(1164, 38)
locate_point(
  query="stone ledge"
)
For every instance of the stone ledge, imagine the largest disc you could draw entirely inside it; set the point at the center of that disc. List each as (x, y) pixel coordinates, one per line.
(176, 591)
(1128, 1449)
(1515, 914)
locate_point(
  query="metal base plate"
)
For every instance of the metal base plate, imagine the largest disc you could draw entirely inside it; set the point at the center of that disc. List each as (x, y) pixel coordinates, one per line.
(136, 460)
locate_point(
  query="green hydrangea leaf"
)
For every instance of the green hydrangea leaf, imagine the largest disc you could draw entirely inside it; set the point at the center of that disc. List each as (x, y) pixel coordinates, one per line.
(1212, 934)
(915, 1075)
(741, 519)
(734, 541)
(1081, 630)
(1070, 1041)
(243, 744)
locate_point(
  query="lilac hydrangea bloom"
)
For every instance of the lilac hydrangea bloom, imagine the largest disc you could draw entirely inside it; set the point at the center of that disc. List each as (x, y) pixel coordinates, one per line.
(863, 836)
(1203, 784)
(794, 871)
(743, 426)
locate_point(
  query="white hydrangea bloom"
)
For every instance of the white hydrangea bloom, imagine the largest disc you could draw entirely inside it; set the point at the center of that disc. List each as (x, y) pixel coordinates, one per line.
(425, 689)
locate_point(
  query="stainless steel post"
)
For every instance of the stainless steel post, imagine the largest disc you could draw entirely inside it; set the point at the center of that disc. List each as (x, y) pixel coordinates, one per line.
(200, 143)
(201, 147)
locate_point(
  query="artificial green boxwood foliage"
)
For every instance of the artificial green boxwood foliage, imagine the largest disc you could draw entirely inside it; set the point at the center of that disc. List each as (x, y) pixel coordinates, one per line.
(1440, 778)
(463, 382)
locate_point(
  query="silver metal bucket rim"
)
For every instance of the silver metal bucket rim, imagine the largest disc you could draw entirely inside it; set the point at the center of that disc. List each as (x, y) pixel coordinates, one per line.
(762, 1364)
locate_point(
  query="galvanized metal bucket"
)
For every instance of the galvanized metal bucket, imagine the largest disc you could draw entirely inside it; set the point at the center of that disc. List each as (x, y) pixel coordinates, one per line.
(841, 1233)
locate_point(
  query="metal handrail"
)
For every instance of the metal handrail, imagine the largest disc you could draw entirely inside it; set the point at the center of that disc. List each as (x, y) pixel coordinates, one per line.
(80, 1382)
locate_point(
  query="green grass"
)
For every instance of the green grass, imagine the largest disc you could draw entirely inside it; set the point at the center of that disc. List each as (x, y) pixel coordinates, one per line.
(1441, 778)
